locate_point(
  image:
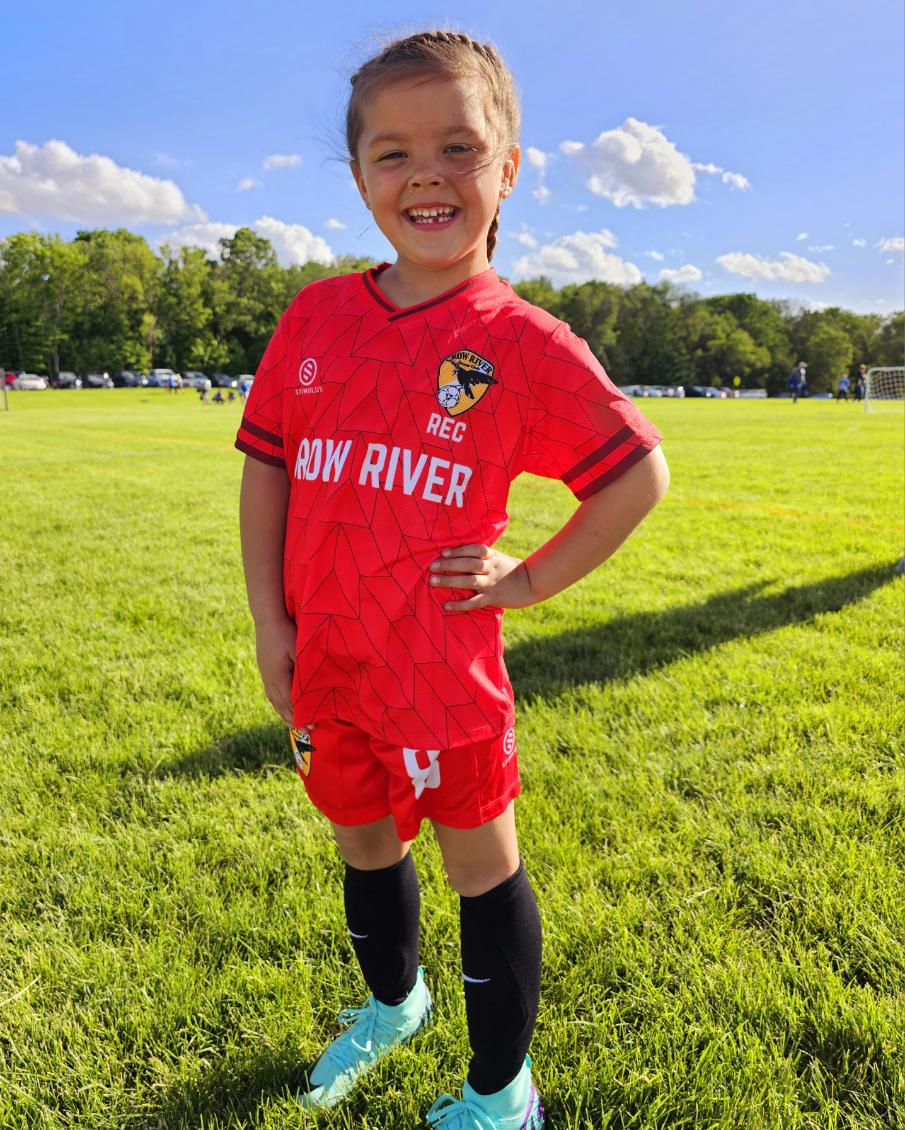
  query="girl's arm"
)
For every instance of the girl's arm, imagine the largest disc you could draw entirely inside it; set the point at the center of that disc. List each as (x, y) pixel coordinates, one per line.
(263, 502)
(594, 532)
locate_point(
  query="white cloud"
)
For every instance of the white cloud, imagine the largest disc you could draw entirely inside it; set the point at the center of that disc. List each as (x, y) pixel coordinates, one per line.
(577, 258)
(635, 164)
(334, 225)
(802, 235)
(527, 239)
(791, 268)
(655, 255)
(537, 158)
(822, 247)
(246, 183)
(859, 242)
(736, 180)
(205, 236)
(56, 182)
(541, 194)
(282, 161)
(897, 243)
(688, 273)
(293, 243)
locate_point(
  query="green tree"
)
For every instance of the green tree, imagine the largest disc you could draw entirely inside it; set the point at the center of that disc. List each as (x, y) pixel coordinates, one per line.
(123, 277)
(43, 281)
(829, 352)
(765, 325)
(184, 311)
(592, 310)
(650, 346)
(246, 298)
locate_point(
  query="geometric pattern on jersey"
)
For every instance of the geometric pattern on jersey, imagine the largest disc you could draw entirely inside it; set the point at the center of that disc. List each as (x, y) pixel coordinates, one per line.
(383, 476)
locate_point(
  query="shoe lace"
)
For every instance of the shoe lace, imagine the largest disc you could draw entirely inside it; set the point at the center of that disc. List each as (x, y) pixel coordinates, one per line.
(458, 1114)
(359, 1039)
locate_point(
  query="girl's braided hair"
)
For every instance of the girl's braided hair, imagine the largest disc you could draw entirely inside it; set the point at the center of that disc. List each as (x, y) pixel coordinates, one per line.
(439, 54)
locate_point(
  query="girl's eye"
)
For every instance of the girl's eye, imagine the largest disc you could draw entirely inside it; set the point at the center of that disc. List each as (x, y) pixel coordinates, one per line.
(459, 148)
(391, 156)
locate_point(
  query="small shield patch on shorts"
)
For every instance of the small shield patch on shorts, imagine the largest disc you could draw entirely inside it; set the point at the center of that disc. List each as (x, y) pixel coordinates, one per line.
(300, 740)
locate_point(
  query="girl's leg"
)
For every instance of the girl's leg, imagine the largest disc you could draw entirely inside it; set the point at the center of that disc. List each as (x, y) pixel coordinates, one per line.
(501, 946)
(382, 903)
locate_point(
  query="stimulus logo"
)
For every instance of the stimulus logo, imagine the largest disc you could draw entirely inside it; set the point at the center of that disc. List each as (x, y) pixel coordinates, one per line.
(462, 380)
(307, 376)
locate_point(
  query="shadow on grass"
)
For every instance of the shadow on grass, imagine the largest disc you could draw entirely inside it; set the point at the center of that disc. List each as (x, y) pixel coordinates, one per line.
(258, 749)
(616, 649)
(235, 1093)
(644, 641)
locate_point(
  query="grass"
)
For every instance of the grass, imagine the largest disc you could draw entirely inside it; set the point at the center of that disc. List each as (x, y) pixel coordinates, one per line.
(711, 738)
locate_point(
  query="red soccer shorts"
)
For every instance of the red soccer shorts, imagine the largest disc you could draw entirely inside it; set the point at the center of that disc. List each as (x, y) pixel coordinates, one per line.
(355, 778)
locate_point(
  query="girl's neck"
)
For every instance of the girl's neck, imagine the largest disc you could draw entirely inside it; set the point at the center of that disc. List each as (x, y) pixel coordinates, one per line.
(407, 285)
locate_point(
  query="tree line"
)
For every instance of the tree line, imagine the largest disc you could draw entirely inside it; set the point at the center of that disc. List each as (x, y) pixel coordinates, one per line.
(106, 301)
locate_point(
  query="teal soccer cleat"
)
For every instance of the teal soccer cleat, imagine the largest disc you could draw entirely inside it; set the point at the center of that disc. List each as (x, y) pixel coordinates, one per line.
(371, 1032)
(516, 1107)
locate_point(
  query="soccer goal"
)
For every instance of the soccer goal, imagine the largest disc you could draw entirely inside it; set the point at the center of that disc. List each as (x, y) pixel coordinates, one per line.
(884, 385)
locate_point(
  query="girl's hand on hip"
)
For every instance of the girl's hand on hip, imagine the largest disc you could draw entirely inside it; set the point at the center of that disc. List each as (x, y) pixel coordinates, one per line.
(275, 647)
(491, 577)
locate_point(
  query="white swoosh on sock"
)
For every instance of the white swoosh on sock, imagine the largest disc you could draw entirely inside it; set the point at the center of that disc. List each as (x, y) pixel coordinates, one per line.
(475, 980)
(359, 936)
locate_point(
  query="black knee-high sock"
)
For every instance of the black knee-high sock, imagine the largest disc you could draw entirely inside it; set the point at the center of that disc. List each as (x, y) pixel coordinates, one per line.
(501, 961)
(382, 911)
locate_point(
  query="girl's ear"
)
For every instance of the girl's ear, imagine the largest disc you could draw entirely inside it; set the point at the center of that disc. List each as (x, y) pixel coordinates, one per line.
(360, 181)
(510, 171)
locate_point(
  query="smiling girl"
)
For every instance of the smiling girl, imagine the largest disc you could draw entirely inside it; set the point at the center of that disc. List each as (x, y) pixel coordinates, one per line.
(389, 415)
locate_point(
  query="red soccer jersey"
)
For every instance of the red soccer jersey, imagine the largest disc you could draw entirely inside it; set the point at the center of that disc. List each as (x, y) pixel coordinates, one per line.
(401, 430)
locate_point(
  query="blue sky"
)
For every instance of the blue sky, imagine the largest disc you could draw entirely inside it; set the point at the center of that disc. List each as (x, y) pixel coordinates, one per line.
(732, 146)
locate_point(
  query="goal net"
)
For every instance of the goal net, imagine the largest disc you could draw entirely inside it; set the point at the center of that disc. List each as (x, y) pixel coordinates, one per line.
(884, 386)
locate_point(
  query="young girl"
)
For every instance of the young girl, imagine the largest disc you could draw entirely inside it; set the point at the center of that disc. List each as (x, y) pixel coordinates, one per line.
(389, 415)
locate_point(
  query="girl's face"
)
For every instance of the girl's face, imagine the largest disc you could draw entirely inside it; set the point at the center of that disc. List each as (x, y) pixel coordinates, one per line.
(430, 167)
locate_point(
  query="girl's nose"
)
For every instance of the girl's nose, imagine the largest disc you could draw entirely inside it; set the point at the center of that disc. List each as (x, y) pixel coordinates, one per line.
(422, 177)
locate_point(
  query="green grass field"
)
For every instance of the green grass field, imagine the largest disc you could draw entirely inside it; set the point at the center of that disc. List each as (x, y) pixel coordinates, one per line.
(711, 738)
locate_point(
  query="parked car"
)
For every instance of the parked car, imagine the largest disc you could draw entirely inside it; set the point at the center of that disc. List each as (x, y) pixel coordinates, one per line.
(69, 380)
(9, 376)
(160, 378)
(129, 378)
(30, 381)
(97, 380)
(224, 380)
(193, 379)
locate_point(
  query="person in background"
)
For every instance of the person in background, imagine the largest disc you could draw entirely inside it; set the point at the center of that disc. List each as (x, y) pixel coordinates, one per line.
(842, 392)
(860, 381)
(797, 382)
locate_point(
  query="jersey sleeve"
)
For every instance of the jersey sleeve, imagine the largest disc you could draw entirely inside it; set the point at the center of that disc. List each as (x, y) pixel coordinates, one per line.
(580, 428)
(261, 431)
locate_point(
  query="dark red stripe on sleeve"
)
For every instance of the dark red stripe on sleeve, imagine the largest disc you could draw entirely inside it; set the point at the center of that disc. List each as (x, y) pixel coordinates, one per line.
(597, 456)
(262, 456)
(633, 457)
(255, 430)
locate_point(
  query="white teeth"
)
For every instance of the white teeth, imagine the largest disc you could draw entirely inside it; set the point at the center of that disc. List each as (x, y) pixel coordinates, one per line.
(430, 215)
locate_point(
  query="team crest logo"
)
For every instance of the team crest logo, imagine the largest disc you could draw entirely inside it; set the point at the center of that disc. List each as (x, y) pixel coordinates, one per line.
(301, 750)
(463, 379)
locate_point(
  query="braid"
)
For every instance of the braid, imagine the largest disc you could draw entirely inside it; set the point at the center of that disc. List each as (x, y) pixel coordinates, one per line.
(491, 234)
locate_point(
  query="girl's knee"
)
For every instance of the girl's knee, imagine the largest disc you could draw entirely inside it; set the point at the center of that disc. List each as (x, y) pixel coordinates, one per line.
(370, 847)
(471, 879)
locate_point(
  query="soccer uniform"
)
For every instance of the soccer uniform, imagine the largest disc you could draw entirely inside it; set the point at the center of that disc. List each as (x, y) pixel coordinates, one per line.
(401, 431)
